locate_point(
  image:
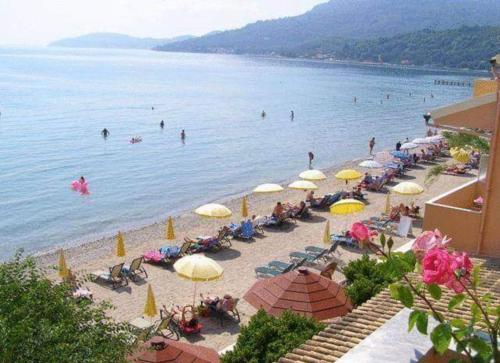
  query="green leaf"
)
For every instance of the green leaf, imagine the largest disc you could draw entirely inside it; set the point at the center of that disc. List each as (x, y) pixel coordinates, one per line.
(422, 321)
(458, 323)
(481, 347)
(394, 290)
(412, 319)
(475, 276)
(405, 296)
(441, 338)
(435, 291)
(455, 301)
(476, 313)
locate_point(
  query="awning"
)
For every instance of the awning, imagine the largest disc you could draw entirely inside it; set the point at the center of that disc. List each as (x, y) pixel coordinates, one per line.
(475, 113)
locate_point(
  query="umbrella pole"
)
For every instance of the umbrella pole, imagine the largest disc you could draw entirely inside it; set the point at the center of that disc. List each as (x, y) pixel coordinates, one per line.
(194, 294)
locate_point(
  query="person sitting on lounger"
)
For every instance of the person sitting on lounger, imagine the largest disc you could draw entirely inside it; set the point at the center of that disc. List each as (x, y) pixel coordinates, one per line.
(300, 210)
(224, 304)
(278, 210)
(368, 179)
(310, 197)
(190, 320)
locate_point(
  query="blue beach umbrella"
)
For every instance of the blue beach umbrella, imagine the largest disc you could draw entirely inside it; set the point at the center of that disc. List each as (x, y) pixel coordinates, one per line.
(400, 155)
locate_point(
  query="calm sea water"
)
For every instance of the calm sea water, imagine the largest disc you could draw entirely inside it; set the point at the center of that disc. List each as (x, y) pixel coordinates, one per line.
(55, 102)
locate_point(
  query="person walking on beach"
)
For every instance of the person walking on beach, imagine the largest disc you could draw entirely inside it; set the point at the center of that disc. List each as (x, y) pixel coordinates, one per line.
(292, 115)
(263, 114)
(371, 145)
(311, 158)
(105, 132)
(398, 146)
(162, 124)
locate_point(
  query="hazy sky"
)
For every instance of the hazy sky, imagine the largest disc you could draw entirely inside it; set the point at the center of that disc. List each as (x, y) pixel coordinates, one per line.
(42, 21)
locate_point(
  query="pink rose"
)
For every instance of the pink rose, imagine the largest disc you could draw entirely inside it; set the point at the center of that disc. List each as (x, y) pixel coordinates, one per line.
(427, 241)
(461, 262)
(437, 266)
(360, 232)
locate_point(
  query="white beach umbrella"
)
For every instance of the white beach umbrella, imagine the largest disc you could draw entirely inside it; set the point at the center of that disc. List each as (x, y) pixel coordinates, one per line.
(371, 164)
(420, 141)
(408, 146)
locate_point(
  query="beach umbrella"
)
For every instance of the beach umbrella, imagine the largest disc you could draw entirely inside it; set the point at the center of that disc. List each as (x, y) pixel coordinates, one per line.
(420, 141)
(383, 157)
(63, 269)
(244, 207)
(150, 306)
(400, 155)
(303, 185)
(198, 268)
(433, 139)
(348, 174)
(371, 164)
(170, 229)
(301, 291)
(213, 210)
(408, 188)
(347, 206)
(388, 204)
(120, 245)
(327, 235)
(408, 146)
(461, 155)
(314, 175)
(268, 188)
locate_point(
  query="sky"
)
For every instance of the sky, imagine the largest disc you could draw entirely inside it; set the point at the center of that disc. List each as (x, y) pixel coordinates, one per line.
(38, 22)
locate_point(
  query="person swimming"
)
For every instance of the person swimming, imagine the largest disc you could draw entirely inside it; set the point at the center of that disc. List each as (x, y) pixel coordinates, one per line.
(162, 124)
(135, 140)
(105, 132)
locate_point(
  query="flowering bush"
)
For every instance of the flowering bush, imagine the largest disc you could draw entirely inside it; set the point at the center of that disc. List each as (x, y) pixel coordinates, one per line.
(441, 268)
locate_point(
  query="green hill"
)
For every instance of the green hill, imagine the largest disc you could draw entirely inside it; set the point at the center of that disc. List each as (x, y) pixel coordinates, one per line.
(465, 47)
(354, 19)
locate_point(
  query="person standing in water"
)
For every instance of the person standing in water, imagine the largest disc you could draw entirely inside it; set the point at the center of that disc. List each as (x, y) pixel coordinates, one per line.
(162, 124)
(311, 158)
(263, 114)
(292, 115)
(371, 144)
(183, 135)
(105, 132)
(355, 99)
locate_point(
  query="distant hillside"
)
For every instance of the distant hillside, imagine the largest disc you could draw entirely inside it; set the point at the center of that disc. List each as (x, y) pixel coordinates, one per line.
(357, 19)
(465, 47)
(113, 40)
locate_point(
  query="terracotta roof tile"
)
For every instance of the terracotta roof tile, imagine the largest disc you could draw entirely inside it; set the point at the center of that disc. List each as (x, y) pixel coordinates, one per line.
(346, 332)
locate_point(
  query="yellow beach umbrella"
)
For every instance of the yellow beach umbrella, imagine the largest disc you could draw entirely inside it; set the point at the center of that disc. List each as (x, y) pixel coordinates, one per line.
(244, 207)
(213, 210)
(198, 268)
(327, 234)
(170, 229)
(63, 269)
(303, 185)
(120, 245)
(268, 188)
(348, 174)
(408, 188)
(461, 155)
(347, 206)
(315, 175)
(150, 307)
(388, 204)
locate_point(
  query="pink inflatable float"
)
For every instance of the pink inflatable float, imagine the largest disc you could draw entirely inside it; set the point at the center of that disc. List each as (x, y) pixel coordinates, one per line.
(80, 186)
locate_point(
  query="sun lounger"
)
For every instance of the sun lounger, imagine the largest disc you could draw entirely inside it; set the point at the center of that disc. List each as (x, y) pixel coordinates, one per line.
(164, 328)
(310, 257)
(318, 250)
(221, 313)
(244, 231)
(212, 244)
(135, 268)
(276, 268)
(115, 276)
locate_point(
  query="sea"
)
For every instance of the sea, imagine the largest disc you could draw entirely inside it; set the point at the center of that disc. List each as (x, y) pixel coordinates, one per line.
(54, 102)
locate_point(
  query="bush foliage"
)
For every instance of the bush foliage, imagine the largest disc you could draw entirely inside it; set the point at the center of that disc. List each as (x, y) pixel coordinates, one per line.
(40, 321)
(267, 338)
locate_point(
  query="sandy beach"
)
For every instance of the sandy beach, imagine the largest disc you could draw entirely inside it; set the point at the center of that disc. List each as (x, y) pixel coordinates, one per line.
(238, 262)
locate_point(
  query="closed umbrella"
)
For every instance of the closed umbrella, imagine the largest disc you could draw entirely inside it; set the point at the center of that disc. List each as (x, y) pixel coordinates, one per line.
(213, 210)
(303, 185)
(244, 207)
(63, 269)
(388, 204)
(268, 188)
(120, 245)
(150, 306)
(371, 164)
(313, 175)
(326, 235)
(198, 268)
(170, 229)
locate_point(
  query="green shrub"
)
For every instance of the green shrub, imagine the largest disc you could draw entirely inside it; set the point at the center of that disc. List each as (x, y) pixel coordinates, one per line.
(40, 321)
(267, 338)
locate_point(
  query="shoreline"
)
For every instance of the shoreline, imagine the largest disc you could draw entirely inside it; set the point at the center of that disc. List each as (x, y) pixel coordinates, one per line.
(97, 245)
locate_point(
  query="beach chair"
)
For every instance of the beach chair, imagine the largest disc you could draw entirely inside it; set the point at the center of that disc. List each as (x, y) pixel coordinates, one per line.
(135, 268)
(186, 324)
(183, 251)
(329, 270)
(245, 231)
(275, 268)
(220, 314)
(311, 257)
(329, 251)
(115, 276)
(165, 329)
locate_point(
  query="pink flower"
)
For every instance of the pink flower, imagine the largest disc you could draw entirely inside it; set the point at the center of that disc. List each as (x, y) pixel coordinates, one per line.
(360, 232)
(437, 266)
(459, 264)
(427, 241)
